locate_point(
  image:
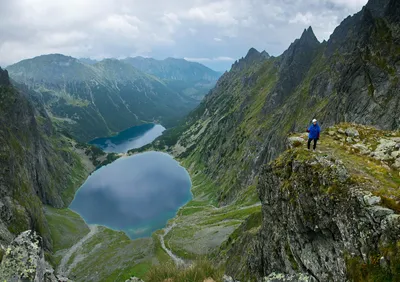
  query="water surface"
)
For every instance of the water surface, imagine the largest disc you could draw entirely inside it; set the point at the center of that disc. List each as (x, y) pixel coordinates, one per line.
(136, 194)
(132, 138)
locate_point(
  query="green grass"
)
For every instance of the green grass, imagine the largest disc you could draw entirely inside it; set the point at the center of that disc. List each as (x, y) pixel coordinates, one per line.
(66, 227)
(198, 272)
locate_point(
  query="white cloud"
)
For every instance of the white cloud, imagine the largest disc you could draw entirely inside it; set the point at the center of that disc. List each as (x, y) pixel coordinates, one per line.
(158, 28)
(305, 19)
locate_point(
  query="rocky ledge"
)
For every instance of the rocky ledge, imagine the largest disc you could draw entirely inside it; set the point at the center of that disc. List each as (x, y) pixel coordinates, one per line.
(331, 215)
(24, 261)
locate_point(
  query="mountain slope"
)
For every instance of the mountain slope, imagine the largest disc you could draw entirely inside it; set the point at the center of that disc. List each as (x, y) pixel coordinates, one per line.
(188, 78)
(37, 165)
(96, 100)
(245, 118)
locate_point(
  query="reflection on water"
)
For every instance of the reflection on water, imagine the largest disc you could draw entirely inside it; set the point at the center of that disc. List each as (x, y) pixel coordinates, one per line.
(136, 194)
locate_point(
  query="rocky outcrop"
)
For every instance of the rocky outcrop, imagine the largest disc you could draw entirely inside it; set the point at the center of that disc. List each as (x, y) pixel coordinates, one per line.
(321, 220)
(24, 261)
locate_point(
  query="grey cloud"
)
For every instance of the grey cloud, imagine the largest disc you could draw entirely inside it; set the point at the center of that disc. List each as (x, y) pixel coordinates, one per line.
(205, 29)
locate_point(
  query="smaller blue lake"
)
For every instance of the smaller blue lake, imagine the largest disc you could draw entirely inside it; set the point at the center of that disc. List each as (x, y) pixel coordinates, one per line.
(132, 138)
(136, 194)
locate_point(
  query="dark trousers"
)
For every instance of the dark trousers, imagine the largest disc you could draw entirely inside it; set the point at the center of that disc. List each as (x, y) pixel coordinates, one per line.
(309, 143)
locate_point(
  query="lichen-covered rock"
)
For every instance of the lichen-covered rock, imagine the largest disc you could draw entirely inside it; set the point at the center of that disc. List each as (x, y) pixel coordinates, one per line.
(280, 277)
(384, 149)
(293, 142)
(24, 261)
(362, 148)
(318, 219)
(352, 132)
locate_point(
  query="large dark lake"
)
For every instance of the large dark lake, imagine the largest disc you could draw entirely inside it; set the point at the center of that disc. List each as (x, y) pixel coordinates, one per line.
(136, 194)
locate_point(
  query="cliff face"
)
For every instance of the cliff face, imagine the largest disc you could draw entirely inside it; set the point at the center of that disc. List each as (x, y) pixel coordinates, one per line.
(37, 166)
(332, 215)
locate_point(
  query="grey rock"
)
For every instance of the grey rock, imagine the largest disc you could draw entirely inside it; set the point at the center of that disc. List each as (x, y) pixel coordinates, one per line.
(395, 154)
(24, 261)
(280, 277)
(371, 200)
(295, 142)
(341, 131)
(352, 132)
(384, 149)
(362, 148)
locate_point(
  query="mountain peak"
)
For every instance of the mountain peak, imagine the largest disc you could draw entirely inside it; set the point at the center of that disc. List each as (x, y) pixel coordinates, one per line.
(265, 54)
(4, 78)
(252, 52)
(309, 37)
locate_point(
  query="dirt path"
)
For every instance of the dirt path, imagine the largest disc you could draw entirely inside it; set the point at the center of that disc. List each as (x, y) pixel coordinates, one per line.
(63, 269)
(177, 260)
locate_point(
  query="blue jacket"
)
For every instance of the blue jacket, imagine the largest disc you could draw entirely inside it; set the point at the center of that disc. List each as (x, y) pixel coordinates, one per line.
(314, 131)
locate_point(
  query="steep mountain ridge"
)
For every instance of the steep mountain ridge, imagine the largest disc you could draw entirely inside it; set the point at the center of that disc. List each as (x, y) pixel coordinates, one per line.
(90, 101)
(353, 77)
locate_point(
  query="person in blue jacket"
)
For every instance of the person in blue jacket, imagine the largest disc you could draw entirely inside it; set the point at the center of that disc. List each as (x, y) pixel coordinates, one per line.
(313, 134)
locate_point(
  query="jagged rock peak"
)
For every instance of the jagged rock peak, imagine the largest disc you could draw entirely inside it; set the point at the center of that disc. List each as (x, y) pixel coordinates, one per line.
(252, 52)
(4, 78)
(308, 37)
(265, 54)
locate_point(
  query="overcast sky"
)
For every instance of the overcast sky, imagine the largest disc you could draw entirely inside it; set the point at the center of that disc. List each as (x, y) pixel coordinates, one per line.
(213, 32)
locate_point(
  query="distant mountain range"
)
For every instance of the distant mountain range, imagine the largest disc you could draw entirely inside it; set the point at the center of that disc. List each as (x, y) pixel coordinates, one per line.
(90, 99)
(188, 78)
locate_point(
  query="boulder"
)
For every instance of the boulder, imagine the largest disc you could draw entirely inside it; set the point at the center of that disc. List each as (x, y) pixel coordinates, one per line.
(24, 261)
(341, 131)
(362, 148)
(384, 149)
(352, 132)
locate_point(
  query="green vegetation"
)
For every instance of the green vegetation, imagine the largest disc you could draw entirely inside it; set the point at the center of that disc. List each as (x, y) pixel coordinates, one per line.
(373, 269)
(66, 227)
(198, 272)
(96, 100)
